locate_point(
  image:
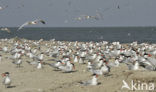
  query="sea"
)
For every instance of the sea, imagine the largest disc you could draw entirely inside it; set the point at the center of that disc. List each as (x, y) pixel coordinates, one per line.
(85, 34)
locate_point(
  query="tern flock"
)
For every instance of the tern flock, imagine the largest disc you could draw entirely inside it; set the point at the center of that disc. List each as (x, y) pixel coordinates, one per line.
(99, 57)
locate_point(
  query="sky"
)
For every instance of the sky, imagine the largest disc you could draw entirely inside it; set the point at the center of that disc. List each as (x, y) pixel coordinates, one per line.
(62, 13)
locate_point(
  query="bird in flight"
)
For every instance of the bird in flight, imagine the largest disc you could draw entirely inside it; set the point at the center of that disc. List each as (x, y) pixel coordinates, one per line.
(1, 8)
(31, 23)
(6, 29)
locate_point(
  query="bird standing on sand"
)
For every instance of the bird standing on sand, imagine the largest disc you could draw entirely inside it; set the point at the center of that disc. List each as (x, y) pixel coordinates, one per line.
(18, 63)
(31, 23)
(55, 65)
(93, 81)
(133, 66)
(7, 80)
(68, 68)
(39, 65)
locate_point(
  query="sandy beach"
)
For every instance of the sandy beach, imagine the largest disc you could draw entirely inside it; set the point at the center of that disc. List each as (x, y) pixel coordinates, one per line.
(29, 79)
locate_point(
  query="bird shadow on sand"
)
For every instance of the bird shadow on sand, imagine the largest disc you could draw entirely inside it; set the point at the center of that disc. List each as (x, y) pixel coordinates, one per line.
(99, 83)
(51, 60)
(70, 71)
(80, 82)
(107, 75)
(56, 70)
(19, 66)
(11, 86)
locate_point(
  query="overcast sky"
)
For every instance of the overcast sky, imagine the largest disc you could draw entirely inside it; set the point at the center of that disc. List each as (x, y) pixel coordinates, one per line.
(62, 13)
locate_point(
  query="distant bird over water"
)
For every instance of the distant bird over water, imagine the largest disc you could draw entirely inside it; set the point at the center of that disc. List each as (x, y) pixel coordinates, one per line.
(5, 29)
(31, 23)
(1, 8)
(118, 7)
(98, 16)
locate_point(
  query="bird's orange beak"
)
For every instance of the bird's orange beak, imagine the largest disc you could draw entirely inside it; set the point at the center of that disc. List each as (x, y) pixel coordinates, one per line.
(3, 75)
(74, 67)
(41, 62)
(149, 55)
(62, 63)
(96, 76)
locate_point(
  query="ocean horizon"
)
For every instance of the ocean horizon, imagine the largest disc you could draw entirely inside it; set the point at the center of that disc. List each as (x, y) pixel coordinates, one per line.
(85, 34)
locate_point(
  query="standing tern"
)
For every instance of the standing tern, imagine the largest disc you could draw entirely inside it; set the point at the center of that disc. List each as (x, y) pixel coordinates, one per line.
(93, 81)
(7, 80)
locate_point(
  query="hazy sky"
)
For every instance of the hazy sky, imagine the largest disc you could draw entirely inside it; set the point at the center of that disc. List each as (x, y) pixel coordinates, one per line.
(61, 13)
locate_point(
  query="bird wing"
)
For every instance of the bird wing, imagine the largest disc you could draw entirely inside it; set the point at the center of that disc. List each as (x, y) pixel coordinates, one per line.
(40, 20)
(130, 66)
(148, 67)
(14, 62)
(8, 30)
(26, 23)
(85, 83)
(152, 61)
(99, 16)
(62, 67)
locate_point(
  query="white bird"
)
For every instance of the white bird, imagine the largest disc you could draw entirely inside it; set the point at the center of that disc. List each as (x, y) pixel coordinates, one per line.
(6, 29)
(18, 63)
(5, 49)
(40, 57)
(134, 66)
(76, 59)
(39, 65)
(55, 65)
(93, 81)
(7, 80)
(68, 68)
(1, 8)
(31, 23)
(103, 70)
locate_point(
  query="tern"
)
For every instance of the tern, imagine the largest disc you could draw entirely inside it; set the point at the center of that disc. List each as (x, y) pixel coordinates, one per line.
(31, 23)
(55, 65)
(18, 63)
(133, 66)
(6, 29)
(93, 81)
(39, 65)
(68, 68)
(7, 80)
(103, 70)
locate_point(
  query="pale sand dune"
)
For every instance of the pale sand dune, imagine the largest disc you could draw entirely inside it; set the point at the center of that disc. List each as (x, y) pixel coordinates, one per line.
(29, 79)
